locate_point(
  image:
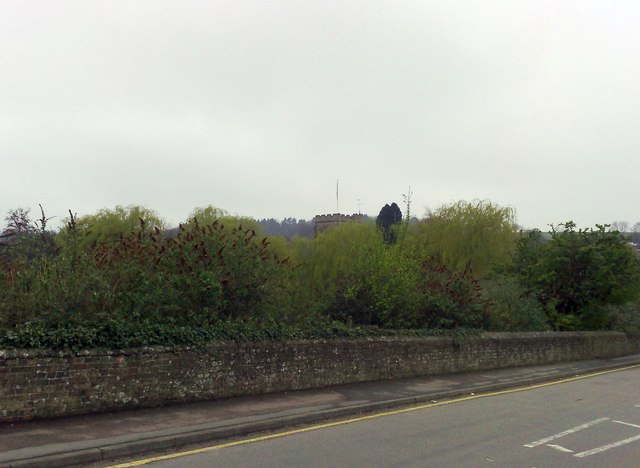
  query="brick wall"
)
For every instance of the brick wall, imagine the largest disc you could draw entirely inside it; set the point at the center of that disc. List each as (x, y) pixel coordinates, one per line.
(36, 384)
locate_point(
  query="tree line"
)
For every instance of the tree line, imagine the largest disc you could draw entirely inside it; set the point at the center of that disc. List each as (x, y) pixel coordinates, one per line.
(121, 277)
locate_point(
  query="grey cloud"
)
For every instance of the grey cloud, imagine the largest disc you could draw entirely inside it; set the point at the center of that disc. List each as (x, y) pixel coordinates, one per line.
(258, 107)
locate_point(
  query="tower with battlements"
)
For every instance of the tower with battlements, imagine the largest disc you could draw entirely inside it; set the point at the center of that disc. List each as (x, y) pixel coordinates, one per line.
(327, 221)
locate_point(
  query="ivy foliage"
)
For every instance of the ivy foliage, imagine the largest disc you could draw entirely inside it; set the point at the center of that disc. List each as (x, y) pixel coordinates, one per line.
(120, 333)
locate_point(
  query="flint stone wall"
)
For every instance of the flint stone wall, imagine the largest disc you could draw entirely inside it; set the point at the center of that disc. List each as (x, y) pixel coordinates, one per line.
(41, 383)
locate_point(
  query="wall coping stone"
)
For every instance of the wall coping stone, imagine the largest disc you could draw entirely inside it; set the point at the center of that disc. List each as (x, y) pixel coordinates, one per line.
(20, 353)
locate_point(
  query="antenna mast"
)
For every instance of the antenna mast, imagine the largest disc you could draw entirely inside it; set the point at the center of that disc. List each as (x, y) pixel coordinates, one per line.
(337, 196)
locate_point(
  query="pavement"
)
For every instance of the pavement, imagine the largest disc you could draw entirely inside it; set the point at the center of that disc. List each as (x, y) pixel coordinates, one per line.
(94, 439)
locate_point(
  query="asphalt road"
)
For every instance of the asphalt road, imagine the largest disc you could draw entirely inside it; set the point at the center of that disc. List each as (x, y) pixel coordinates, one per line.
(591, 422)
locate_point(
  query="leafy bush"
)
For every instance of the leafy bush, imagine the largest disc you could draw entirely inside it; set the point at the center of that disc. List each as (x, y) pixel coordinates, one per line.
(56, 289)
(351, 275)
(203, 274)
(451, 299)
(509, 307)
(384, 291)
(577, 273)
(625, 317)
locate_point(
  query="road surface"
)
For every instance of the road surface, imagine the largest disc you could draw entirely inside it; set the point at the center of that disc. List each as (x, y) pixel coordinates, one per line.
(588, 422)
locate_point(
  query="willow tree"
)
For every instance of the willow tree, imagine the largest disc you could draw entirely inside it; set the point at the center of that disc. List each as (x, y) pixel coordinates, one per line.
(474, 237)
(211, 214)
(107, 225)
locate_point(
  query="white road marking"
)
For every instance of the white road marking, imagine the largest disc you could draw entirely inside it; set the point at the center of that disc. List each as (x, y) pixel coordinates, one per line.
(607, 447)
(564, 433)
(560, 447)
(626, 424)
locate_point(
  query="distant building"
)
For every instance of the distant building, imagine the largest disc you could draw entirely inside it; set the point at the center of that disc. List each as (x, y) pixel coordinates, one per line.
(327, 221)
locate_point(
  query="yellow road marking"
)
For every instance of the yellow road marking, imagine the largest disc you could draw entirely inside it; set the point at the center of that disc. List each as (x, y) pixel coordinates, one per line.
(364, 418)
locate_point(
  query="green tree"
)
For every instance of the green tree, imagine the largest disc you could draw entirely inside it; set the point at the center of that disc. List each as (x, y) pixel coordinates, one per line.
(19, 222)
(108, 225)
(25, 240)
(211, 214)
(579, 272)
(349, 274)
(475, 237)
(389, 216)
(208, 214)
(635, 234)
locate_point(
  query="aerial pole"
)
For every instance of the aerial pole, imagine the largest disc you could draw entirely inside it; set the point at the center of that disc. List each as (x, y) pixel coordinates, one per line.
(337, 196)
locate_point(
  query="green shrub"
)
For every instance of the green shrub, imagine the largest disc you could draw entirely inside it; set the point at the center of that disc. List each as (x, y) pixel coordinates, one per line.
(451, 299)
(203, 274)
(55, 289)
(351, 275)
(509, 307)
(577, 273)
(626, 318)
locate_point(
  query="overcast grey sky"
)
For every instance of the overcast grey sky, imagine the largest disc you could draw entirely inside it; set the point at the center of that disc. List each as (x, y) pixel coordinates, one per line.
(258, 107)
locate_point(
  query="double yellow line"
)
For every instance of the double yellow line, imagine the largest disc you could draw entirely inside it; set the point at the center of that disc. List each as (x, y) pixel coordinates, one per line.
(363, 418)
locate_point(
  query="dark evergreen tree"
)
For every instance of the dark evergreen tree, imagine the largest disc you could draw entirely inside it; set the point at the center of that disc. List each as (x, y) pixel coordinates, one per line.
(389, 216)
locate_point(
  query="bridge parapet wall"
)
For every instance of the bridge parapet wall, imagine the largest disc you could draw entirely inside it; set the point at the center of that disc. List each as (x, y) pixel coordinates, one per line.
(41, 383)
